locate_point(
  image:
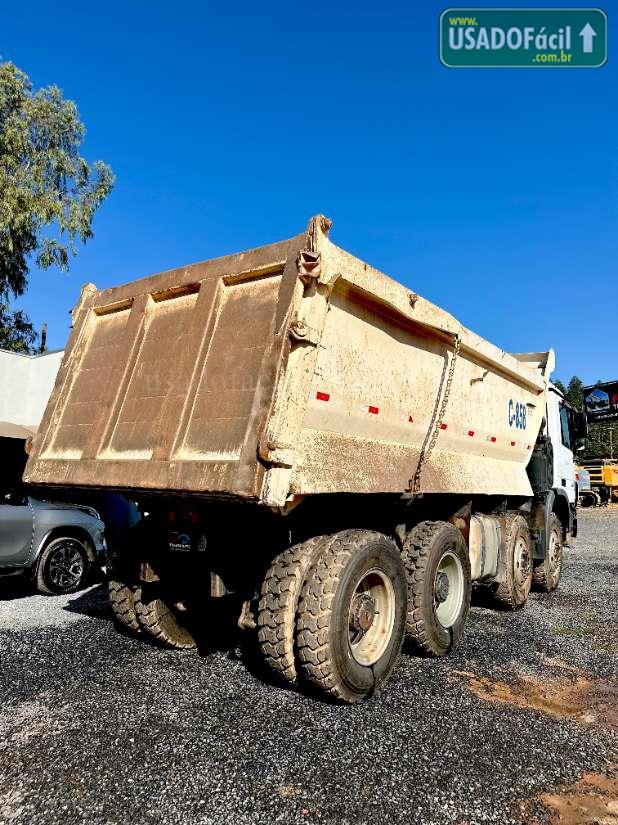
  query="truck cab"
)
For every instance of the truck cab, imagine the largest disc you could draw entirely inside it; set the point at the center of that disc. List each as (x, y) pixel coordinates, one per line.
(565, 428)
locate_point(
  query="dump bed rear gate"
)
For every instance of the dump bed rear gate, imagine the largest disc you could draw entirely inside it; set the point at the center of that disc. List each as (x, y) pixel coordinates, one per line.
(166, 381)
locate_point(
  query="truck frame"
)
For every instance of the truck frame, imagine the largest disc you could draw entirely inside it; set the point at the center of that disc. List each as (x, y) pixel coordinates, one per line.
(317, 445)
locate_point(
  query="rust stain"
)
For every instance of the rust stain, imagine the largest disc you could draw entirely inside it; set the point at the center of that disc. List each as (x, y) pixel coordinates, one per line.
(592, 800)
(572, 694)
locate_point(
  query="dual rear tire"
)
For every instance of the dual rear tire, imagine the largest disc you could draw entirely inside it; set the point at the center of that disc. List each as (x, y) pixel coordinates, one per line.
(334, 610)
(146, 607)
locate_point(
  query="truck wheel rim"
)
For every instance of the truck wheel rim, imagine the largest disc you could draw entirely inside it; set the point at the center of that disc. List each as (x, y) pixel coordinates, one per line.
(448, 590)
(66, 565)
(521, 562)
(554, 553)
(371, 617)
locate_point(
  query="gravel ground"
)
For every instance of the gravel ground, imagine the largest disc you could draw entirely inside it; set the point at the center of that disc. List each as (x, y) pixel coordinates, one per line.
(97, 727)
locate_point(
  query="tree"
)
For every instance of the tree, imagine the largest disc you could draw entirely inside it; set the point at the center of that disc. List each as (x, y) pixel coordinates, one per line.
(575, 393)
(16, 332)
(48, 192)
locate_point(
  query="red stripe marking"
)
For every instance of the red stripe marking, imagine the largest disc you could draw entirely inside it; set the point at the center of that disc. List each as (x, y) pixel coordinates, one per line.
(373, 410)
(322, 396)
(470, 433)
(443, 426)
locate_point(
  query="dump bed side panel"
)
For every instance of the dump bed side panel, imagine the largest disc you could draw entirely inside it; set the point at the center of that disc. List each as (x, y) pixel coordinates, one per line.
(167, 381)
(373, 405)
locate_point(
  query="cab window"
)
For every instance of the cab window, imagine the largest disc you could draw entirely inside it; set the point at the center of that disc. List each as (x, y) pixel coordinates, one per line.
(564, 426)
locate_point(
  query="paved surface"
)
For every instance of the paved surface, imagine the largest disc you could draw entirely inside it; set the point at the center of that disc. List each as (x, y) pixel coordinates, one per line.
(98, 727)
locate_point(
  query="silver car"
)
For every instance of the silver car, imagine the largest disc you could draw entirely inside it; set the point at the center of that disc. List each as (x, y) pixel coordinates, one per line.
(57, 544)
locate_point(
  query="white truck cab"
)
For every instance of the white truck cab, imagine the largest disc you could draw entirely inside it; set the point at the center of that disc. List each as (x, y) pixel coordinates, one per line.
(563, 431)
(552, 470)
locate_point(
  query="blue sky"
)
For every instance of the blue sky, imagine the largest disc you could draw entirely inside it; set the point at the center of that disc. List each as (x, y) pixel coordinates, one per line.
(490, 192)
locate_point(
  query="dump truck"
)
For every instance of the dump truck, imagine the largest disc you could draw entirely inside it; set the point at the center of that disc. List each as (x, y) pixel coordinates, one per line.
(314, 445)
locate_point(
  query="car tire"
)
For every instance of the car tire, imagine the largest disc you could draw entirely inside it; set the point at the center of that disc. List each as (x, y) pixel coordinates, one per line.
(63, 567)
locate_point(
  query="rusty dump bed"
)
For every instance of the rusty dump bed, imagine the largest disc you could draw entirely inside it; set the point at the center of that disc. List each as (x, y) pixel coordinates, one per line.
(284, 371)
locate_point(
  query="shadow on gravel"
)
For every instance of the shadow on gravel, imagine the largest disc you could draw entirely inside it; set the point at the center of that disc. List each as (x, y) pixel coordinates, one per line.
(481, 597)
(21, 585)
(15, 587)
(93, 603)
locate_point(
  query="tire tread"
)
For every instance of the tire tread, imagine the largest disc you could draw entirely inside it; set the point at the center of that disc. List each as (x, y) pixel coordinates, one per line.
(416, 557)
(314, 613)
(122, 599)
(278, 605)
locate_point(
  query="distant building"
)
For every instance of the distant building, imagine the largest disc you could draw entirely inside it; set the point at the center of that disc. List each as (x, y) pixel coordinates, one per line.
(26, 382)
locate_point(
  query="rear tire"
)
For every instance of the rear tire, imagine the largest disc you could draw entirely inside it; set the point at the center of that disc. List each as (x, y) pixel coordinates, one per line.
(547, 571)
(516, 549)
(162, 618)
(278, 605)
(439, 589)
(122, 600)
(351, 616)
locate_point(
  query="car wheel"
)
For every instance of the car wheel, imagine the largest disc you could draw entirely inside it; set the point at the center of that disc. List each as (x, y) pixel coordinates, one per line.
(63, 567)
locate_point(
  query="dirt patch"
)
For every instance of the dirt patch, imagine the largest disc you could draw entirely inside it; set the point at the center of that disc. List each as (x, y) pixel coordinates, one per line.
(593, 800)
(571, 694)
(289, 791)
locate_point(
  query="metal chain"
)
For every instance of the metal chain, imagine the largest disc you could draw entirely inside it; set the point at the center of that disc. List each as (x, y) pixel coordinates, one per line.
(427, 449)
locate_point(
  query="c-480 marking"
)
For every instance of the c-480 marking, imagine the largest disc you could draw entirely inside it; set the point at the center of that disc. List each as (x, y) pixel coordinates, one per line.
(517, 414)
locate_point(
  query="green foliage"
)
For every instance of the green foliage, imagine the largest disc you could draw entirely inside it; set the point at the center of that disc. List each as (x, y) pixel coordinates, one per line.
(16, 332)
(602, 441)
(48, 192)
(575, 393)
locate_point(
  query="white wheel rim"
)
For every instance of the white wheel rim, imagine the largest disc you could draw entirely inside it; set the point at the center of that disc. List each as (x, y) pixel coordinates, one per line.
(371, 617)
(521, 562)
(448, 589)
(554, 552)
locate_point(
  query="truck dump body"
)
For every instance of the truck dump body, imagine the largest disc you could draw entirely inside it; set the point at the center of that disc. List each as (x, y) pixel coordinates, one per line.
(289, 370)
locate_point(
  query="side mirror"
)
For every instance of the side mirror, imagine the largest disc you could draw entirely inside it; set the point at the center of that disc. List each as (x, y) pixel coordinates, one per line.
(580, 427)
